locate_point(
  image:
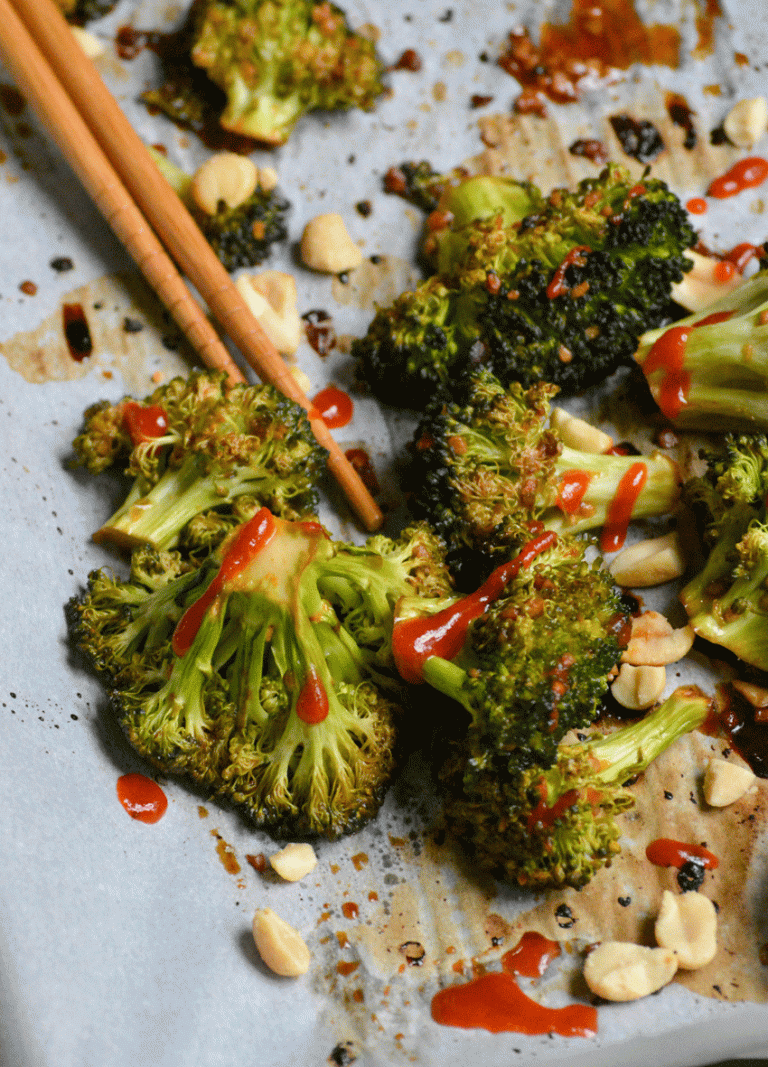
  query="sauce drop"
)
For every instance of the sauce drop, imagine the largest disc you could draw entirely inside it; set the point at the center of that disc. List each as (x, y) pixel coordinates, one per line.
(142, 798)
(557, 286)
(746, 174)
(570, 492)
(621, 507)
(697, 205)
(312, 705)
(443, 634)
(664, 852)
(144, 423)
(334, 407)
(249, 540)
(531, 955)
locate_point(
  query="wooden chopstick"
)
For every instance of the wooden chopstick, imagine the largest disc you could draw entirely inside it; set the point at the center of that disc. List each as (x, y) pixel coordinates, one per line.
(49, 32)
(45, 95)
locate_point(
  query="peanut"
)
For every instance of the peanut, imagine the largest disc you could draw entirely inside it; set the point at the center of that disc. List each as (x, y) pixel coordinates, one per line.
(725, 782)
(280, 946)
(621, 971)
(326, 245)
(687, 925)
(576, 433)
(745, 123)
(267, 179)
(640, 687)
(655, 643)
(272, 299)
(226, 177)
(700, 287)
(648, 563)
(294, 862)
(89, 43)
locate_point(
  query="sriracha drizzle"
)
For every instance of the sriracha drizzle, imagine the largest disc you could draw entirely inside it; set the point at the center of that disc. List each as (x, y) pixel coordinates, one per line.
(746, 174)
(570, 492)
(621, 507)
(142, 798)
(667, 354)
(664, 852)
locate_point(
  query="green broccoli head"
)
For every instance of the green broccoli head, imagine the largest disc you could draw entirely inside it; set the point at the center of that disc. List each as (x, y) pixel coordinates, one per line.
(560, 296)
(708, 371)
(277, 59)
(266, 674)
(194, 448)
(487, 469)
(727, 600)
(557, 826)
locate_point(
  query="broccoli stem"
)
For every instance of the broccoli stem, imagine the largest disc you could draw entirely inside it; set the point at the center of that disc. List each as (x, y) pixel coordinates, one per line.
(449, 679)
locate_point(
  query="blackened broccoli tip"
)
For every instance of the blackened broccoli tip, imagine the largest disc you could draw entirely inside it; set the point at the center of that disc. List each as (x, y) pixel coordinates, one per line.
(277, 59)
(561, 296)
(727, 600)
(708, 371)
(557, 826)
(491, 464)
(204, 456)
(266, 673)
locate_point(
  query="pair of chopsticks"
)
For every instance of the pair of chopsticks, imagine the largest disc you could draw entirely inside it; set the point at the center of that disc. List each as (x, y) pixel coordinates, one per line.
(69, 97)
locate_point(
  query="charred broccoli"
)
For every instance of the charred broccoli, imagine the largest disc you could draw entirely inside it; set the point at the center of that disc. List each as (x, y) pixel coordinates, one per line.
(204, 456)
(556, 826)
(266, 674)
(709, 370)
(560, 296)
(487, 469)
(727, 601)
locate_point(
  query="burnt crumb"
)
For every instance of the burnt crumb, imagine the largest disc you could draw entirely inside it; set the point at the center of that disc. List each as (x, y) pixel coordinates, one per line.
(682, 114)
(343, 277)
(668, 795)
(132, 325)
(564, 916)
(484, 57)
(590, 148)
(690, 877)
(639, 138)
(61, 264)
(351, 159)
(447, 15)
(343, 1054)
(170, 341)
(718, 136)
(375, 260)
(28, 288)
(479, 100)
(717, 989)
(625, 901)
(364, 208)
(409, 60)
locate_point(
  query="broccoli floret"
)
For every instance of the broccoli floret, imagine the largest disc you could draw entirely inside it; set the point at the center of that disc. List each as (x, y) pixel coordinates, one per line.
(709, 370)
(727, 601)
(532, 647)
(487, 469)
(204, 456)
(240, 236)
(561, 296)
(557, 826)
(267, 673)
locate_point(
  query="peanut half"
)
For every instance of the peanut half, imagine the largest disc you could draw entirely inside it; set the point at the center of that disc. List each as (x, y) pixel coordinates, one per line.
(226, 177)
(272, 299)
(326, 245)
(654, 641)
(576, 433)
(746, 122)
(621, 971)
(687, 926)
(638, 688)
(725, 782)
(280, 946)
(647, 563)
(295, 861)
(701, 286)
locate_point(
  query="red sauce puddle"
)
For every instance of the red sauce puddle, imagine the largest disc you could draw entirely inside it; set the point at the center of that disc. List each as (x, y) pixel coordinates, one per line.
(334, 407)
(664, 852)
(142, 798)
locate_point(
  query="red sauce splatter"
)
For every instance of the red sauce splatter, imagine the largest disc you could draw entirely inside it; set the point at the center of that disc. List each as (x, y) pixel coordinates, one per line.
(334, 407)
(76, 331)
(531, 955)
(664, 852)
(620, 509)
(697, 205)
(740, 255)
(443, 634)
(544, 816)
(142, 798)
(668, 354)
(570, 492)
(557, 286)
(312, 705)
(361, 462)
(144, 423)
(249, 540)
(496, 1003)
(746, 174)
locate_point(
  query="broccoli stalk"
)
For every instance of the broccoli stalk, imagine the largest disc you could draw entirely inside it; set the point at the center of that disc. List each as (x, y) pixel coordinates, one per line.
(266, 674)
(203, 458)
(727, 600)
(486, 468)
(708, 371)
(562, 295)
(557, 826)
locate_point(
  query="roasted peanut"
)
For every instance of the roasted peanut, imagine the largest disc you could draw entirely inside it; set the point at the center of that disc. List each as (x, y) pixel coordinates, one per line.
(226, 177)
(294, 862)
(89, 43)
(757, 695)
(272, 299)
(654, 641)
(746, 122)
(576, 433)
(621, 971)
(326, 245)
(725, 782)
(280, 946)
(638, 688)
(267, 179)
(302, 380)
(687, 925)
(648, 563)
(701, 286)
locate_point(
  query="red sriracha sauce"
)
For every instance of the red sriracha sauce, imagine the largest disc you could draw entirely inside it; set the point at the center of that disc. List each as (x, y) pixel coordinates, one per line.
(557, 286)
(697, 206)
(250, 539)
(142, 798)
(531, 955)
(546, 817)
(312, 705)
(668, 354)
(415, 640)
(570, 492)
(621, 507)
(334, 407)
(664, 852)
(144, 423)
(746, 174)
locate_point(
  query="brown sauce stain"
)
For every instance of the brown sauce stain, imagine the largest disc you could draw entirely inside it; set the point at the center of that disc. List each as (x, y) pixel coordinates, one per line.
(226, 854)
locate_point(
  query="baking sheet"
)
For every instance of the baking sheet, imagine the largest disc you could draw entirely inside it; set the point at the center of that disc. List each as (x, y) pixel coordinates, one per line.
(123, 943)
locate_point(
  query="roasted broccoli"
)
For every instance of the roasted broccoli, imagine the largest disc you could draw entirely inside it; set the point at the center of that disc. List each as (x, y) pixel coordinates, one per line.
(560, 296)
(556, 826)
(709, 370)
(204, 456)
(240, 236)
(266, 674)
(727, 601)
(487, 469)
